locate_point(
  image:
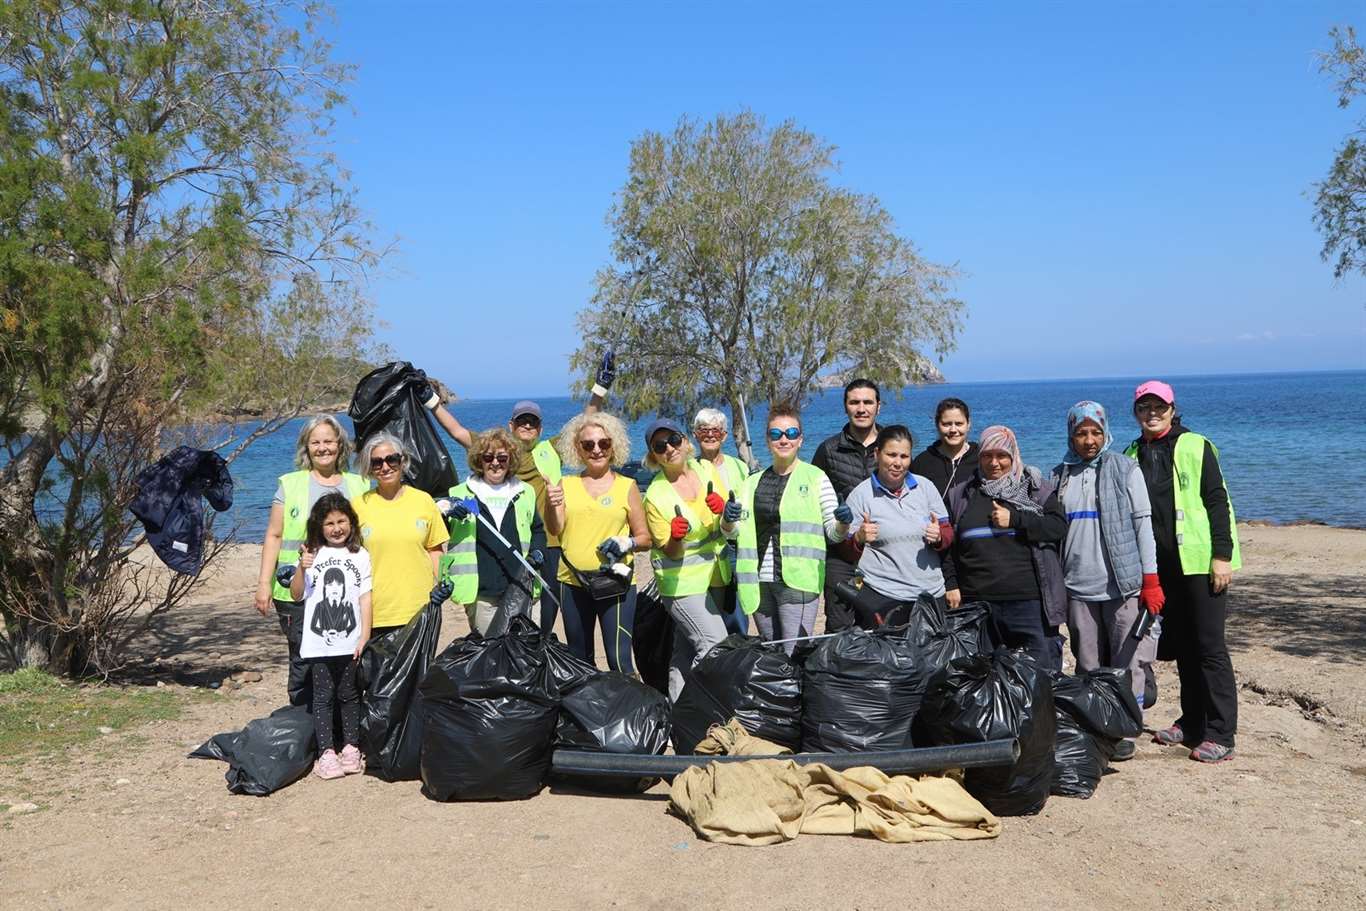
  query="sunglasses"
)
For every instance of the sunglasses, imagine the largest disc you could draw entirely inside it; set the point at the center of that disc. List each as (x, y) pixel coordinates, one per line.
(595, 445)
(526, 420)
(393, 460)
(792, 433)
(674, 439)
(1154, 407)
(710, 433)
(500, 458)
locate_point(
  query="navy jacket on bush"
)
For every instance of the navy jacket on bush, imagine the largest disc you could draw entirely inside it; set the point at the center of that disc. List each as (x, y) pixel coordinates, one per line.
(168, 503)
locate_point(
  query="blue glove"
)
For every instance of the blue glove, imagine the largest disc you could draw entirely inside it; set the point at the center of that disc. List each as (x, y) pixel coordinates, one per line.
(441, 591)
(612, 548)
(607, 369)
(731, 514)
(284, 575)
(535, 557)
(459, 510)
(425, 393)
(843, 514)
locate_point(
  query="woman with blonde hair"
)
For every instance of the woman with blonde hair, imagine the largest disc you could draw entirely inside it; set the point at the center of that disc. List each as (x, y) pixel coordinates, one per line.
(689, 519)
(322, 456)
(480, 567)
(599, 518)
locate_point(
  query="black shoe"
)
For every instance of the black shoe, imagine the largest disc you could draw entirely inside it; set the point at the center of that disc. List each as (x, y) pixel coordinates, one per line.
(1149, 687)
(1125, 749)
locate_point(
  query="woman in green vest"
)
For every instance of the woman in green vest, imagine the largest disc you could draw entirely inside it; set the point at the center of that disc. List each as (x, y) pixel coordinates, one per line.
(1197, 552)
(789, 512)
(686, 511)
(478, 565)
(711, 428)
(322, 455)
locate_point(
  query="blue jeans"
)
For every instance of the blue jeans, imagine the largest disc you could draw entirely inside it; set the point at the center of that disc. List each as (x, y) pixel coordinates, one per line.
(1019, 624)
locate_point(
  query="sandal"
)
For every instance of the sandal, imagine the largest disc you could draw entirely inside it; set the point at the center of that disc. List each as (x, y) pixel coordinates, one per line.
(1209, 751)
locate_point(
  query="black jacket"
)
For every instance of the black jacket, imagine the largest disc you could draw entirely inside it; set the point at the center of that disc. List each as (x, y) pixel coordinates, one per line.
(1155, 459)
(936, 466)
(845, 460)
(497, 567)
(168, 504)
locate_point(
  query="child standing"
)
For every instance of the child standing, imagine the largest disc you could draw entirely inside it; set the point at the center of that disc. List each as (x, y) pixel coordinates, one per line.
(334, 584)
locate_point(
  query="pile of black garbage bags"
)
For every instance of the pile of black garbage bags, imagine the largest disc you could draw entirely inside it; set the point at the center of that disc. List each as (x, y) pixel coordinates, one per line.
(481, 720)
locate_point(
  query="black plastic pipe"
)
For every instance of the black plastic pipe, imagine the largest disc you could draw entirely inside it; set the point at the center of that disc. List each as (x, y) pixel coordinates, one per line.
(894, 762)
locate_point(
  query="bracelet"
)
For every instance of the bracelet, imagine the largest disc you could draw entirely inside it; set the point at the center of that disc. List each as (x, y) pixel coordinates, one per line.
(432, 402)
(600, 390)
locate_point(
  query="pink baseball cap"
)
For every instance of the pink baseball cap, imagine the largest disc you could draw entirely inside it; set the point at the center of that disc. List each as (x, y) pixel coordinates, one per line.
(1157, 388)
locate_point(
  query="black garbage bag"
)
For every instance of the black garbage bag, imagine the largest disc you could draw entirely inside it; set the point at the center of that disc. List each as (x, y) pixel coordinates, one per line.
(993, 697)
(1095, 711)
(652, 637)
(489, 707)
(268, 754)
(386, 399)
(861, 691)
(516, 602)
(741, 678)
(564, 669)
(611, 713)
(391, 668)
(958, 633)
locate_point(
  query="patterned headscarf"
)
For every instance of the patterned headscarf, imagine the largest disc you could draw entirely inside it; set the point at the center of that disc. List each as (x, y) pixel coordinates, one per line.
(1012, 487)
(1085, 411)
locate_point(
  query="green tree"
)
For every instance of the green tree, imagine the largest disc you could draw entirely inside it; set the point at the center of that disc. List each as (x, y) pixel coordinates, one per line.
(1340, 201)
(742, 274)
(177, 243)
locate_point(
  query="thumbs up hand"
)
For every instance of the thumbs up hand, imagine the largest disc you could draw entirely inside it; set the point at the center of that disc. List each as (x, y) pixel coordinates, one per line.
(932, 530)
(714, 501)
(733, 510)
(843, 514)
(867, 533)
(679, 526)
(1000, 514)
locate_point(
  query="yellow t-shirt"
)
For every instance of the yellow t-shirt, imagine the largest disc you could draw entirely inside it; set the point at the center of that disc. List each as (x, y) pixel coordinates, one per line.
(588, 521)
(659, 522)
(398, 533)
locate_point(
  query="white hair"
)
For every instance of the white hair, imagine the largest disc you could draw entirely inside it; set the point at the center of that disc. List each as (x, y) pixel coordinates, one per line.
(711, 417)
(373, 442)
(304, 462)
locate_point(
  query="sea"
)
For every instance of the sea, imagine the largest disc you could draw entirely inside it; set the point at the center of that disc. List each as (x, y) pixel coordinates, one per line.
(1292, 445)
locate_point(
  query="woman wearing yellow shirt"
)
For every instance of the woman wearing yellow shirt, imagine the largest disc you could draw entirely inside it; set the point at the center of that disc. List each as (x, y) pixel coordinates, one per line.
(403, 532)
(689, 518)
(600, 520)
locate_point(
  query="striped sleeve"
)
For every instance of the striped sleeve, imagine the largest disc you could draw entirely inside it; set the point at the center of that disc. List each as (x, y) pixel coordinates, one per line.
(828, 503)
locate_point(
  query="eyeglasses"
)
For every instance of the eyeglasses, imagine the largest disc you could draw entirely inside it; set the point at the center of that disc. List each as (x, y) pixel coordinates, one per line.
(709, 433)
(526, 420)
(500, 458)
(674, 439)
(1154, 407)
(792, 433)
(393, 460)
(602, 445)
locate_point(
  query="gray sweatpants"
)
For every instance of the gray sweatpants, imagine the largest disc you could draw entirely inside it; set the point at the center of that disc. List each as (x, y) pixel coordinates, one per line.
(480, 614)
(784, 613)
(697, 627)
(1099, 630)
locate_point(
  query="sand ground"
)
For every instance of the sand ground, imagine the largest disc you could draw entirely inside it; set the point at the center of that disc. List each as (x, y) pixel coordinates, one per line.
(1282, 826)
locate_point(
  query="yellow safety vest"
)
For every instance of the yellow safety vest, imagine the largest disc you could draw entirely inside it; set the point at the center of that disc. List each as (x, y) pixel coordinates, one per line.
(692, 574)
(801, 536)
(460, 562)
(295, 531)
(1192, 519)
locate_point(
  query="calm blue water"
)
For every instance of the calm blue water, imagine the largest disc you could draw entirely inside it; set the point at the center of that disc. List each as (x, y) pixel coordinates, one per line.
(1293, 446)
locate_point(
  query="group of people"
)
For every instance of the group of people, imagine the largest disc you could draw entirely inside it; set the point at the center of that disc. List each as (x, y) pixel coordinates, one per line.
(1103, 543)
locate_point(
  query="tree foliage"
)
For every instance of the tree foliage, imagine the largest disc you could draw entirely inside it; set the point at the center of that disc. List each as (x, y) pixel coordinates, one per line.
(1340, 202)
(177, 243)
(743, 274)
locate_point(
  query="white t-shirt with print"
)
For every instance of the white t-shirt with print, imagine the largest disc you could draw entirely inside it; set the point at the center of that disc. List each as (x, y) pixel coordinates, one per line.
(333, 586)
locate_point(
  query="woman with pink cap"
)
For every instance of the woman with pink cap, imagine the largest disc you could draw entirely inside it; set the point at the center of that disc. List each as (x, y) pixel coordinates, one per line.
(1008, 527)
(1197, 552)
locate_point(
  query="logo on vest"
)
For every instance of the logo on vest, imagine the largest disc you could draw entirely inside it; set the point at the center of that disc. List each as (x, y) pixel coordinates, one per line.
(804, 490)
(294, 512)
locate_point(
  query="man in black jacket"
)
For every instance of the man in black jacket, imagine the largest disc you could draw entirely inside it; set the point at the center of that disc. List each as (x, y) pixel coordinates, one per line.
(847, 459)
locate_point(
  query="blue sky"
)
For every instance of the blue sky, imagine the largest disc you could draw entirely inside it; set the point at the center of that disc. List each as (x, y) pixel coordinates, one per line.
(1127, 188)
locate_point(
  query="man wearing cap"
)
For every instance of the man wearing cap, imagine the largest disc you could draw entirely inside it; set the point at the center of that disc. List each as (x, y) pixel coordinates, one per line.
(525, 426)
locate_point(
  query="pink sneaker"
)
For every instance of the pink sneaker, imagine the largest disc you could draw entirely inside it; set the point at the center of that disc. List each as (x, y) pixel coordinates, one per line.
(351, 762)
(328, 767)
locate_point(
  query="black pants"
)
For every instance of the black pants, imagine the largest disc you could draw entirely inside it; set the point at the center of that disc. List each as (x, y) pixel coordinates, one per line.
(1193, 634)
(1019, 624)
(334, 684)
(838, 615)
(291, 616)
(549, 585)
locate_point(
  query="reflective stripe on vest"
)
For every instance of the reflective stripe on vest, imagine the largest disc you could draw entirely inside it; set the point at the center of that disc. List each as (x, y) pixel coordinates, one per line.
(691, 574)
(460, 562)
(1192, 519)
(294, 532)
(801, 536)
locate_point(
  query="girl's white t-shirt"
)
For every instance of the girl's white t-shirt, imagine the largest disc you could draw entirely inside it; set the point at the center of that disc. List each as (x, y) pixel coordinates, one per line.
(333, 586)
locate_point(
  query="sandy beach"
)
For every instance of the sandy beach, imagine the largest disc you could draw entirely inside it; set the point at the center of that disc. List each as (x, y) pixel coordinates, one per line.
(1281, 826)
